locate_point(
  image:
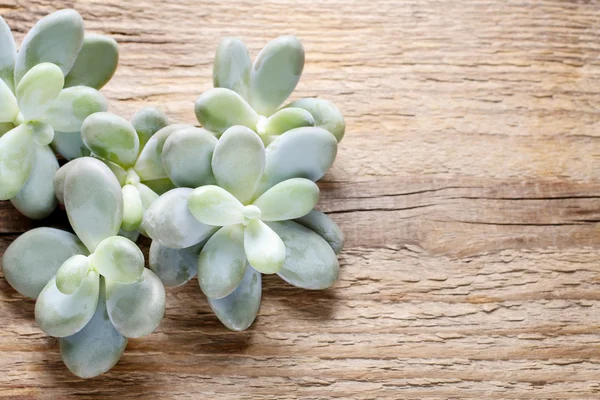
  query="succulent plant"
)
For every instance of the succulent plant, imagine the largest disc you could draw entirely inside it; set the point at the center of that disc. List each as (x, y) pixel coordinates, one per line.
(92, 289)
(233, 228)
(47, 89)
(128, 149)
(252, 94)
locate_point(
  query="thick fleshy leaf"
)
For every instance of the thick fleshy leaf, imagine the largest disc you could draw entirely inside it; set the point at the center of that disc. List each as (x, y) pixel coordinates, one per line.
(57, 38)
(43, 133)
(289, 199)
(147, 122)
(118, 259)
(285, 120)
(112, 138)
(238, 162)
(36, 199)
(69, 145)
(222, 262)
(215, 206)
(275, 73)
(8, 53)
(96, 348)
(71, 274)
(131, 235)
(9, 109)
(148, 196)
(169, 221)
(149, 165)
(219, 109)
(120, 172)
(5, 127)
(300, 153)
(310, 263)
(61, 315)
(133, 208)
(325, 113)
(238, 310)
(29, 271)
(59, 179)
(72, 106)
(324, 226)
(93, 201)
(136, 309)
(160, 186)
(232, 65)
(187, 156)
(96, 62)
(17, 154)
(174, 267)
(264, 249)
(38, 89)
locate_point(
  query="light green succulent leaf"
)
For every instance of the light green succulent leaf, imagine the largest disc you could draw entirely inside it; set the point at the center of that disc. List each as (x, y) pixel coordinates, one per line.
(289, 199)
(8, 54)
(112, 138)
(61, 315)
(310, 263)
(264, 249)
(71, 274)
(131, 235)
(160, 186)
(136, 309)
(169, 221)
(96, 62)
(133, 208)
(38, 89)
(29, 271)
(238, 310)
(43, 133)
(238, 162)
(325, 227)
(5, 127)
(93, 201)
(96, 348)
(325, 113)
(36, 199)
(300, 153)
(219, 109)
(72, 106)
(287, 119)
(57, 38)
(69, 145)
(59, 180)
(222, 262)
(174, 267)
(275, 73)
(120, 172)
(17, 155)
(215, 206)
(149, 165)
(148, 196)
(147, 122)
(119, 260)
(187, 156)
(9, 110)
(232, 65)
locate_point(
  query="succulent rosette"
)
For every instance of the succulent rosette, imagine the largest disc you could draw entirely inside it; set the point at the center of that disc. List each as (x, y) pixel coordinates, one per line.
(47, 89)
(252, 94)
(92, 290)
(238, 222)
(130, 150)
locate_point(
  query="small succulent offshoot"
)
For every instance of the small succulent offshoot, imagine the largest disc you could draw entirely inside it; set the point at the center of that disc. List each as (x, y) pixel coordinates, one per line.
(92, 289)
(234, 230)
(252, 94)
(47, 89)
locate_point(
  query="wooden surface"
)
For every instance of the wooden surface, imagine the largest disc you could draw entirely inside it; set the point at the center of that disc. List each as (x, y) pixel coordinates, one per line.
(468, 186)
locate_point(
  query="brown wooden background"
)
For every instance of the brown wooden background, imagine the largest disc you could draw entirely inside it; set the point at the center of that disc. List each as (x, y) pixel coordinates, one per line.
(468, 186)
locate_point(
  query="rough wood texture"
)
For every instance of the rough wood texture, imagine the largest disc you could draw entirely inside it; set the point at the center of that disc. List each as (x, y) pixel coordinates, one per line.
(467, 185)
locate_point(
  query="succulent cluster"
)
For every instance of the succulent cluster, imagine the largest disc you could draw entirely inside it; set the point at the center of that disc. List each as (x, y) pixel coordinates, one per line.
(228, 201)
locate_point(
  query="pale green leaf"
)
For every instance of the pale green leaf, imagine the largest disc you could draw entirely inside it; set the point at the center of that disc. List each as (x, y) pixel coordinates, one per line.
(17, 155)
(174, 267)
(187, 156)
(147, 122)
(8, 53)
(69, 145)
(232, 65)
(118, 259)
(71, 274)
(133, 208)
(72, 106)
(215, 206)
(324, 226)
(222, 262)
(285, 120)
(111, 137)
(38, 89)
(136, 309)
(9, 110)
(219, 109)
(149, 165)
(264, 249)
(289, 199)
(326, 115)
(29, 271)
(96, 62)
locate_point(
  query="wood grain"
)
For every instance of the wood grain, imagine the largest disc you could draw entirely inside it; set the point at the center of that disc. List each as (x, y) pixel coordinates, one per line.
(468, 186)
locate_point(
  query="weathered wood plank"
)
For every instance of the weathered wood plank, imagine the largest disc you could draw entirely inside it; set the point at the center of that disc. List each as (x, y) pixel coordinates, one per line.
(467, 185)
